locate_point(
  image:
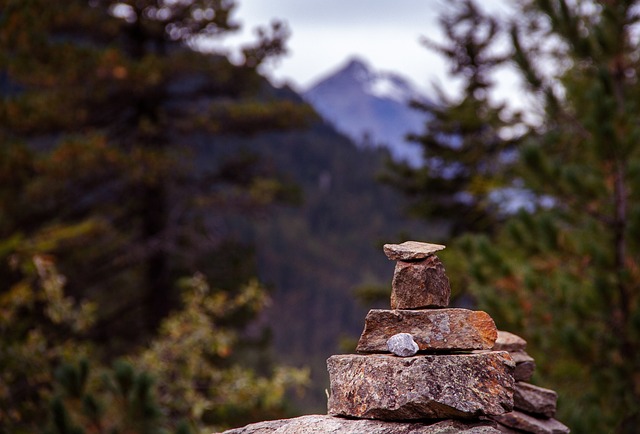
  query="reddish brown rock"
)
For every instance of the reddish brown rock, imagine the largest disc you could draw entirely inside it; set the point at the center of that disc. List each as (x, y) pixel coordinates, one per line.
(387, 387)
(530, 424)
(525, 365)
(535, 400)
(321, 424)
(410, 250)
(432, 329)
(509, 342)
(420, 284)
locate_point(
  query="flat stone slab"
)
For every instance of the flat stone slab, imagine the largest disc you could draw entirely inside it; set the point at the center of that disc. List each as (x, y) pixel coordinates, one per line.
(509, 342)
(386, 387)
(530, 424)
(535, 400)
(411, 250)
(325, 424)
(431, 329)
(418, 285)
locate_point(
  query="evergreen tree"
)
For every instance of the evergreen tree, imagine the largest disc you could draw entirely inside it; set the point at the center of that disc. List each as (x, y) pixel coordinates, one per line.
(104, 108)
(466, 152)
(564, 272)
(105, 111)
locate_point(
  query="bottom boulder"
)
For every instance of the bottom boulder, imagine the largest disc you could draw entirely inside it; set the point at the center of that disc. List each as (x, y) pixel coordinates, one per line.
(385, 387)
(323, 424)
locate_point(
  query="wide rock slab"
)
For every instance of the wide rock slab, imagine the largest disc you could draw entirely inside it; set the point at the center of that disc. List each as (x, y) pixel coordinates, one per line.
(387, 387)
(432, 329)
(530, 424)
(410, 250)
(420, 284)
(314, 424)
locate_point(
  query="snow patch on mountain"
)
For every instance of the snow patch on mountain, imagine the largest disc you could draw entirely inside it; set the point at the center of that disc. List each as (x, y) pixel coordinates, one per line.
(392, 86)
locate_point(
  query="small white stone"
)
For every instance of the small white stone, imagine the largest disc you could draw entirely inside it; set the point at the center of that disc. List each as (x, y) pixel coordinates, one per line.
(402, 345)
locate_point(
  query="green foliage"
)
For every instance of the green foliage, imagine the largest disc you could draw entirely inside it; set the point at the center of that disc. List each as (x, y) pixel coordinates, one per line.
(104, 102)
(39, 329)
(117, 401)
(190, 350)
(103, 105)
(469, 141)
(564, 273)
(187, 379)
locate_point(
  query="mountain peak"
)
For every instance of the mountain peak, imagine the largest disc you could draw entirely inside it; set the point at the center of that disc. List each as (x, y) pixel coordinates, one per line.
(356, 68)
(369, 106)
(355, 71)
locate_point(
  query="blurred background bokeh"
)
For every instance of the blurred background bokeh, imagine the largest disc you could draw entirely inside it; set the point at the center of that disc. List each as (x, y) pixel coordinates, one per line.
(192, 213)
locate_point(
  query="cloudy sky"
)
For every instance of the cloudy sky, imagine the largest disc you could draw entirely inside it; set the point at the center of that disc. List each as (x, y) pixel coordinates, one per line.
(325, 33)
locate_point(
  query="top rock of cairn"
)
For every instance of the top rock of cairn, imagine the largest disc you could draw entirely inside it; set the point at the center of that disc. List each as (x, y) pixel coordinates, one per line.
(419, 279)
(411, 250)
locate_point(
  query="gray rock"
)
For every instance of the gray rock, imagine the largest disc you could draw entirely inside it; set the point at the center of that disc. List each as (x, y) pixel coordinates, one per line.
(530, 424)
(402, 344)
(431, 329)
(385, 387)
(525, 365)
(420, 284)
(323, 424)
(265, 427)
(509, 342)
(535, 400)
(410, 250)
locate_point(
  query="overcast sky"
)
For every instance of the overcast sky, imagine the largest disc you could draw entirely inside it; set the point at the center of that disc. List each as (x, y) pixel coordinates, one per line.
(325, 33)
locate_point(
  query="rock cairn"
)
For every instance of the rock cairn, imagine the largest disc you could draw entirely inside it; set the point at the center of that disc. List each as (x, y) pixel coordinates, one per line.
(424, 368)
(423, 360)
(455, 376)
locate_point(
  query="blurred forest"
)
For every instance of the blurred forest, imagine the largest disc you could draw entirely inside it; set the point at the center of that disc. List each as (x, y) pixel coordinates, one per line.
(180, 241)
(544, 206)
(110, 231)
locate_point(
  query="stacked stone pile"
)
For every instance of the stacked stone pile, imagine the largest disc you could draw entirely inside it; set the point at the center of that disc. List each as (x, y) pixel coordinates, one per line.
(424, 368)
(455, 375)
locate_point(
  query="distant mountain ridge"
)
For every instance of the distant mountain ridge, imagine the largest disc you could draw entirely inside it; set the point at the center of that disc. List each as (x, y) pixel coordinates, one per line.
(370, 107)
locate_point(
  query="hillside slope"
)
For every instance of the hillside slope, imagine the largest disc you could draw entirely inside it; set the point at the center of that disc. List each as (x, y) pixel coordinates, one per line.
(315, 254)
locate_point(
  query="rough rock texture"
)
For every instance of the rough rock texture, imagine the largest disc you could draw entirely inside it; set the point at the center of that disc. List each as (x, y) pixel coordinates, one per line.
(509, 342)
(432, 329)
(525, 365)
(420, 284)
(385, 387)
(530, 424)
(402, 344)
(322, 424)
(410, 250)
(535, 400)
